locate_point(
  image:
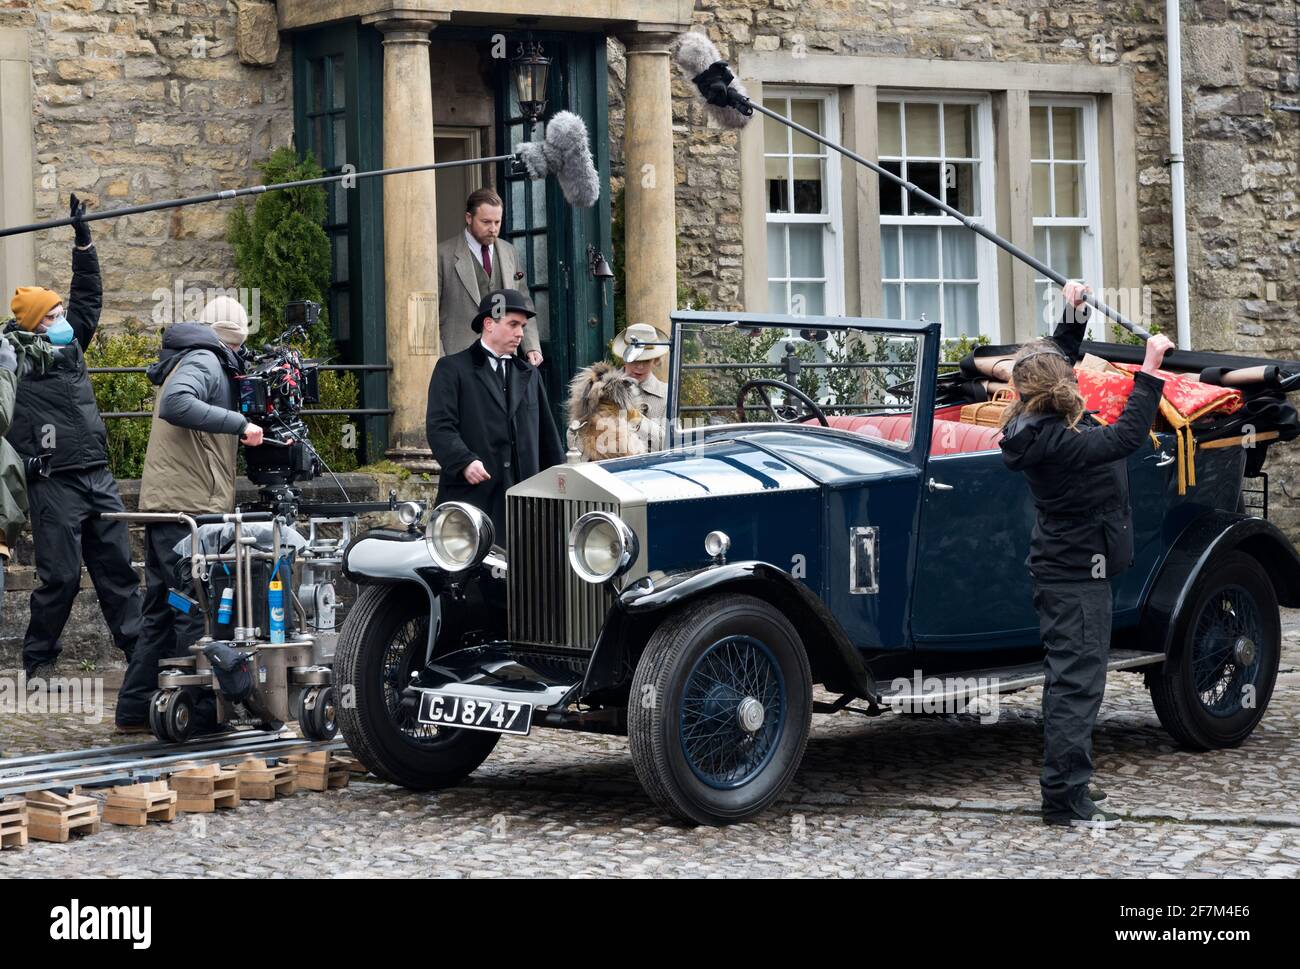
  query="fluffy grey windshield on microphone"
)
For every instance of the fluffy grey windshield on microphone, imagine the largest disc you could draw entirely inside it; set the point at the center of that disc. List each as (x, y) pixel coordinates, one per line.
(565, 155)
(695, 54)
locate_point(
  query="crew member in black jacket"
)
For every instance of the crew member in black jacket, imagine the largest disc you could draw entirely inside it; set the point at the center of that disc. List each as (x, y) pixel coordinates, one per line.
(488, 419)
(1083, 537)
(59, 434)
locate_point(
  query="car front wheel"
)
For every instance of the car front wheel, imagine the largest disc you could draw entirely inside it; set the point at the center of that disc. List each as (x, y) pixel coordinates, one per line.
(720, 710)
(1228, 644)
(384, 640)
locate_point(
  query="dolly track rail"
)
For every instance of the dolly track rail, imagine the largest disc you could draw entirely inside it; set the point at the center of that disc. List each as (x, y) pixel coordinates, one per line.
(100, 766)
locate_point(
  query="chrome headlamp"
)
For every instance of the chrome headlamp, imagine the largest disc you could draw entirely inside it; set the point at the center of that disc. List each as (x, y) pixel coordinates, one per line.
(459, 536)
(601, 546)
(410, 513)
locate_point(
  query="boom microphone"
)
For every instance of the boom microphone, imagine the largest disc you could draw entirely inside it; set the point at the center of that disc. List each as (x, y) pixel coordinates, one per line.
(701, 63)
(565, 155)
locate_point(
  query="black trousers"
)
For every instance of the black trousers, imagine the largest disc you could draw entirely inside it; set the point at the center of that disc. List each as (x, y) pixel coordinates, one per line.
(67, 530)
(164, 632)
(1074, 619)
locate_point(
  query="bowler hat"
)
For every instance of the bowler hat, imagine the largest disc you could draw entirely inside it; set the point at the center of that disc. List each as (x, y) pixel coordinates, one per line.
(498, 303)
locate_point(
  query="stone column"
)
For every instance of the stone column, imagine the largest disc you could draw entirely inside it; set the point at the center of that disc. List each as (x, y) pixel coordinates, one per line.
(410, 243)
(649, 196)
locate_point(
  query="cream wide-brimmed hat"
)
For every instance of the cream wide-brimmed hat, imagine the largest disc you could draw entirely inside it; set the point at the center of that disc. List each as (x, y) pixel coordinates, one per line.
(638, 332)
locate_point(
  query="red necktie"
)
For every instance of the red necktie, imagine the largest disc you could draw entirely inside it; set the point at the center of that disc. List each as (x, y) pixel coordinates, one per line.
(487, 260)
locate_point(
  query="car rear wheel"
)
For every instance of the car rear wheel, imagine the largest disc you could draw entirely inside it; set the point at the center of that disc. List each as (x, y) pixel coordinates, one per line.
(383, 641)
(1227, 644)
(720, 710)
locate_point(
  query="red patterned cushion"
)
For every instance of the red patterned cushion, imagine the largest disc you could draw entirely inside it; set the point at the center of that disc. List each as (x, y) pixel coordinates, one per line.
(1191, 398)
(1105, 392)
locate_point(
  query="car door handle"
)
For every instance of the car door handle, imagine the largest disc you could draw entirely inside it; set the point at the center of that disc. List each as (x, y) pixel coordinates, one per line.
(937, 486)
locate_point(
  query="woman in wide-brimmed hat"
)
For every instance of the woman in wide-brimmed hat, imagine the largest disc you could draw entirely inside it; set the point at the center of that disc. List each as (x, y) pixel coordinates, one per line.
(639, 346)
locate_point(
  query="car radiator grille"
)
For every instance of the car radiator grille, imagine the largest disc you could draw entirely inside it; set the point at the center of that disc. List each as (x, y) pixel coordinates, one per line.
(549, 604)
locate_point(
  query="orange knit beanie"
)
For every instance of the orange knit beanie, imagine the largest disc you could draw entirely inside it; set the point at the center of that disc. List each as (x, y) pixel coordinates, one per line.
(30, 305)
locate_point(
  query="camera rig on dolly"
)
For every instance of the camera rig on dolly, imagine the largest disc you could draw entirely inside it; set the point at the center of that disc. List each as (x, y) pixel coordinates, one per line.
(265, 591)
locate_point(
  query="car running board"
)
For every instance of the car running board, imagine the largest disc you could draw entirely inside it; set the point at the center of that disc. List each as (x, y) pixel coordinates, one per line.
(968, 684)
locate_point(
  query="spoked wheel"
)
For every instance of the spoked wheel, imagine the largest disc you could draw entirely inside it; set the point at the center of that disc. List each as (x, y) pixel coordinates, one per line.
(721, 709)
(1215, 689)
(732, 712)
(383, 641)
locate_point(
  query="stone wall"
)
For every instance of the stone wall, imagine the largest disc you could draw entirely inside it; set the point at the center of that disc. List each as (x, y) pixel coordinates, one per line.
(140, 100)
(1239, 58)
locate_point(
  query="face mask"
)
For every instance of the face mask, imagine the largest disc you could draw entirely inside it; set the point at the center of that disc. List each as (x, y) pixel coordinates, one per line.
(59, 332)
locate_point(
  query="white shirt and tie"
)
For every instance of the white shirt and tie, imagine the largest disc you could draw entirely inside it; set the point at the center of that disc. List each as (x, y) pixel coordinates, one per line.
(498, 368)
(486, 255)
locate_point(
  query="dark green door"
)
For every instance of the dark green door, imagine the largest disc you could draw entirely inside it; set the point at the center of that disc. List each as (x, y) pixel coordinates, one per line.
(338, 111)
(575, 312)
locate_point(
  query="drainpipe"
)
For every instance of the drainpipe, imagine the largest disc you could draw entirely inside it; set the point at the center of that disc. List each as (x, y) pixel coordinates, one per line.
(1182, 309)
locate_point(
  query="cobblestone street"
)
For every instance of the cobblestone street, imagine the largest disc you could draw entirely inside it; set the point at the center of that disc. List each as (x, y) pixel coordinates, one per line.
(890, 797)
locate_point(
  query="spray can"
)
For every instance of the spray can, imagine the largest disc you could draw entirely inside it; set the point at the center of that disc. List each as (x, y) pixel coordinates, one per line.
(275, 606)
(226, 608)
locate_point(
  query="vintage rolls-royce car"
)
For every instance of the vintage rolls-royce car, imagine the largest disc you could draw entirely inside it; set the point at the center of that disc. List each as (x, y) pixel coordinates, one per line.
(821, 518)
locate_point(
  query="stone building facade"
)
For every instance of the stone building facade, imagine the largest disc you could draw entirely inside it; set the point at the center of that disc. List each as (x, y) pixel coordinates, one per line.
(1240, 64)
(135, 100)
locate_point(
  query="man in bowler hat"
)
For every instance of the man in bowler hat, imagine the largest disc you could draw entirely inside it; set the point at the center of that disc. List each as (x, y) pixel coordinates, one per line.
(488, 420)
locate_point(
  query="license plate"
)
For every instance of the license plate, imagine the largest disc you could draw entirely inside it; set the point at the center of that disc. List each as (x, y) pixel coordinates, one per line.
(470, 713)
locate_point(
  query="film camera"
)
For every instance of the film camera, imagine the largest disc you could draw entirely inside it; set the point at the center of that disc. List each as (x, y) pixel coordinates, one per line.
(276, 386)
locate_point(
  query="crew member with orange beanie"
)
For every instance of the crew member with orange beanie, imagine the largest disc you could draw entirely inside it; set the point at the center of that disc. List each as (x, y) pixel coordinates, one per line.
(58, 432)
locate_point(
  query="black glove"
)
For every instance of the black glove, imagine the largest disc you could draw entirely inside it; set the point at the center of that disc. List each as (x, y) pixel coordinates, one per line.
(77, 209)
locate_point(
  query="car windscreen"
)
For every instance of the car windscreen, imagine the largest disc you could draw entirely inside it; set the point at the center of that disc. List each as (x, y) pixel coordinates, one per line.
(862, 380)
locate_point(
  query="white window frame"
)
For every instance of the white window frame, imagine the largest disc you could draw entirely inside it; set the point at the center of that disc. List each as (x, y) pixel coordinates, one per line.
(832, 218)
(985, 254)
(1091, 184)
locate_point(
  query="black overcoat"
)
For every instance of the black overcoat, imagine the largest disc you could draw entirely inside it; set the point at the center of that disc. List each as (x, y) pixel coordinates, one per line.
(466, 420)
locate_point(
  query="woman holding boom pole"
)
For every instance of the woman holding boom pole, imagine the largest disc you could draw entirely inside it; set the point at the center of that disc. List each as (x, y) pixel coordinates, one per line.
(1082, 538)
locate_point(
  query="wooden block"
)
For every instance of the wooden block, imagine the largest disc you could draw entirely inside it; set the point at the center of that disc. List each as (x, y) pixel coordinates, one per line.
(202, 790)
(258, 782)
(13, 823)
(319, 771)
(138, 804)
(353, 765)
(57, 817)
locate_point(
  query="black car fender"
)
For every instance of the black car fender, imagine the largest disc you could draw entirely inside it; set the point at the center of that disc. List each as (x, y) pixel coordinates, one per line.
(1201, 542)
(463, 604)
(385, 556)
(834, 659)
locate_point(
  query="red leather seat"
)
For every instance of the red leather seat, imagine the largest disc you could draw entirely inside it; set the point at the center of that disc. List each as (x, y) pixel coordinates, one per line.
(946, 437)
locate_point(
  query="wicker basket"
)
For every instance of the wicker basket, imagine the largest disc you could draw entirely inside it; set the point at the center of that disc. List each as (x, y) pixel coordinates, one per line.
(989, 412)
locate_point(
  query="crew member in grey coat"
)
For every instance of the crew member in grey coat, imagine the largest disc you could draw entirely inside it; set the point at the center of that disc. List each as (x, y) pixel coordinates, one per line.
(189, 467)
